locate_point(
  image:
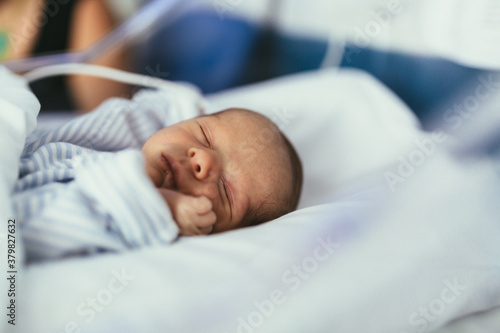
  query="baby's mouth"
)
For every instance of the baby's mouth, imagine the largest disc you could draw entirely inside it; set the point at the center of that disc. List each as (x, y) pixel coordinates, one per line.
(169, 181)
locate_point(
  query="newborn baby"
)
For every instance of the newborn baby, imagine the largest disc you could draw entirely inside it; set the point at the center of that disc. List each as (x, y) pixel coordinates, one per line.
(224, 171)
(131, 174)
(121, 178)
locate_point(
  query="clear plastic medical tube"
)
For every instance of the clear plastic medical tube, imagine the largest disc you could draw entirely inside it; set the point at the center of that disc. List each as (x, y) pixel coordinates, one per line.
(108, 73)
(98, 71)
(187, 92)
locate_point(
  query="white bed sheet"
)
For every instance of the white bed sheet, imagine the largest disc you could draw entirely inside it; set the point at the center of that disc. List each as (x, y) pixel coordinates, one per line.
(377, 270)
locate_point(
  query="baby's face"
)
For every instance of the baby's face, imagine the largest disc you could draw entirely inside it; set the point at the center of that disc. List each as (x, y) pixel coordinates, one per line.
(233, 158)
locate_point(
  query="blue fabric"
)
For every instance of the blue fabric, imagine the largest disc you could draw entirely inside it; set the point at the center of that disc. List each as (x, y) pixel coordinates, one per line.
(217, 54)
(424, 83)
(280, 54)
(202, 49)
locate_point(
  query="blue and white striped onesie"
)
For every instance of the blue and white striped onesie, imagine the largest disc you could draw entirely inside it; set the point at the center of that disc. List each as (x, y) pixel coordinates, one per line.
(83, 188)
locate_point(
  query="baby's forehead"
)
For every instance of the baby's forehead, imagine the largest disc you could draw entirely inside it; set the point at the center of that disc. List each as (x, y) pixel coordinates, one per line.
(248, 130)
(237, 116)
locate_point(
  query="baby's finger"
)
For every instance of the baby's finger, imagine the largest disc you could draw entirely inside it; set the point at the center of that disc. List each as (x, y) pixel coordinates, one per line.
(201, 204)
(190, 230)
(206, 231)
(206, 220)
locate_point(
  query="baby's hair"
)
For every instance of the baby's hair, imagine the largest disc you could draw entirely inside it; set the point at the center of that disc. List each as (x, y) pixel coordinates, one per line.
(274, 209)
(297, 173)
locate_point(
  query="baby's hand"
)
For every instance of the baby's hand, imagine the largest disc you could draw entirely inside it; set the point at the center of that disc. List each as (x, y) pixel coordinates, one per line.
(193, 215)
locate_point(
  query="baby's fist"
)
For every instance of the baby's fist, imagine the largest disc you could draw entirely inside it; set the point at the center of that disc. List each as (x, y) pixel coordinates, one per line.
(193, 215)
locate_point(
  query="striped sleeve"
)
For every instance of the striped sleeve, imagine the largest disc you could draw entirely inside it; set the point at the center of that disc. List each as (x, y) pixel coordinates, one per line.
(119, 124)
(118, 183)
(111, 206)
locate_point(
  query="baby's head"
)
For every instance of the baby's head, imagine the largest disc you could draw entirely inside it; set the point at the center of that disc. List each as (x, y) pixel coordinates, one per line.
(237, 158)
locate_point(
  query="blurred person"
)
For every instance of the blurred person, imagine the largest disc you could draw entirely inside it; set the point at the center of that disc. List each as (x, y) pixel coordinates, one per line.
(37, 27)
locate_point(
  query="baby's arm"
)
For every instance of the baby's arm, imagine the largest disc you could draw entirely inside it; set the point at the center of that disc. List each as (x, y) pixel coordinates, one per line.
(193, 215)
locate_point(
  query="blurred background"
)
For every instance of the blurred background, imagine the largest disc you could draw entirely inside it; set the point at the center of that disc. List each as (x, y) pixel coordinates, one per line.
(426, 51)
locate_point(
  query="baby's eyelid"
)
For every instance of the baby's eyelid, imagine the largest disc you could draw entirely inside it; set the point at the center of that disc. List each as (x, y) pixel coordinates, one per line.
(205, 136)
(227, 196)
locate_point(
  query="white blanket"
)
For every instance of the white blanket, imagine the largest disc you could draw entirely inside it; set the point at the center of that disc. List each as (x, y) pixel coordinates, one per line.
(412, 264)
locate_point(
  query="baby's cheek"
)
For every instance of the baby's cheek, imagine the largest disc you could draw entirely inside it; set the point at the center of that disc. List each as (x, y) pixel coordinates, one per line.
(233, 168)
(210, 191)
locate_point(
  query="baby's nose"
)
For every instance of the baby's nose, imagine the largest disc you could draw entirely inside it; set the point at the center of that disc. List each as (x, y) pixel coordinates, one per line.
(202, 163)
